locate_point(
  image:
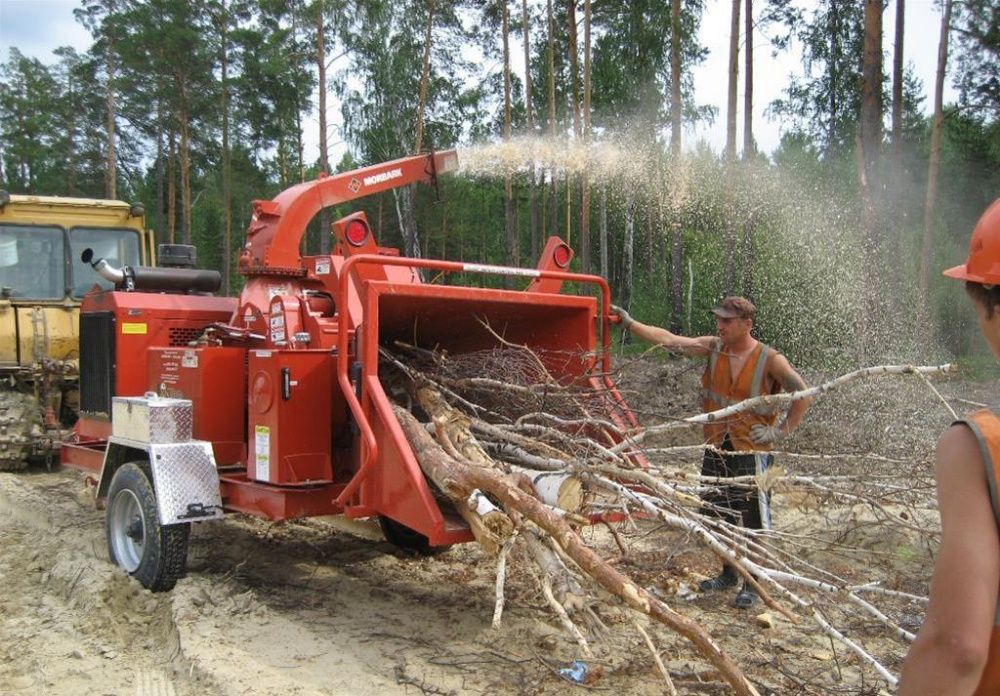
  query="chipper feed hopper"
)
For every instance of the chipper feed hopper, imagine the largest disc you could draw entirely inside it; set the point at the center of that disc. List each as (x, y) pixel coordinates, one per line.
(271, 404)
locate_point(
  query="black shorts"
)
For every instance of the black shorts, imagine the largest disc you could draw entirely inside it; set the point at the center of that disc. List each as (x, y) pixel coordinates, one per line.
(748, 507)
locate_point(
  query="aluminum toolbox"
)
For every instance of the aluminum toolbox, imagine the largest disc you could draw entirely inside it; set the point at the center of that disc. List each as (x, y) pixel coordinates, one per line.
(151, 419)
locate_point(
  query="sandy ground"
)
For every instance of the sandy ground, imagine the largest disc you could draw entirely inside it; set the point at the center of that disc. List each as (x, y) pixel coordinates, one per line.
(310, 608)
(294, 608)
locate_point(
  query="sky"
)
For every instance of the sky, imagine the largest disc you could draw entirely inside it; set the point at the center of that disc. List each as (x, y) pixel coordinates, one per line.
(36, 27)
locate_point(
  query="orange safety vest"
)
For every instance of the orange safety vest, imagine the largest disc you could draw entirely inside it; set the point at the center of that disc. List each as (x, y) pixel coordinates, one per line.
(720, 390)
(985, 425)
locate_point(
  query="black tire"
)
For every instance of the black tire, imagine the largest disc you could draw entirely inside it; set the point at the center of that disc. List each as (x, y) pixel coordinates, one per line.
(155, 556)
(403, 537)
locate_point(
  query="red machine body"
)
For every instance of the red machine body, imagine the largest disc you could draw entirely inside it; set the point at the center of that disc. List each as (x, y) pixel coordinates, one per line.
(284, 380)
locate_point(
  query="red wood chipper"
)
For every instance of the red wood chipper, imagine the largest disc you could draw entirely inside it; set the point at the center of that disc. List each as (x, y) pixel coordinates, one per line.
(270, 404)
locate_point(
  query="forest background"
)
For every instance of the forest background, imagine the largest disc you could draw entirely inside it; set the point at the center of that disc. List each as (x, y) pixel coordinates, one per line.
(196, 108)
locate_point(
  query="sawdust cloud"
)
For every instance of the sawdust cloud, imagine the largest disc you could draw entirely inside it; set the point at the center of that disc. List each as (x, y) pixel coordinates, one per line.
(805, 237)
(602, 161)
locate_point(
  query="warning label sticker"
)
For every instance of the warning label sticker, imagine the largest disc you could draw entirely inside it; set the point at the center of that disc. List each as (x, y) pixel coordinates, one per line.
(262, 452)
(129, 327)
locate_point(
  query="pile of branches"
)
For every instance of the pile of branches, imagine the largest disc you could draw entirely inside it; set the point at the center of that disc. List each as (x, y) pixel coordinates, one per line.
(528, 460)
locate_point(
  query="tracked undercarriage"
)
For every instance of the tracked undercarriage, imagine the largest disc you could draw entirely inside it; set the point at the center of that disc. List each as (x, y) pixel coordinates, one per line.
(37, 407)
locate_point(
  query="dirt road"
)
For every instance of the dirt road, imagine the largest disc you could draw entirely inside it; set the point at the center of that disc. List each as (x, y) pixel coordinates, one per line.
(298, 608)
(308, 608)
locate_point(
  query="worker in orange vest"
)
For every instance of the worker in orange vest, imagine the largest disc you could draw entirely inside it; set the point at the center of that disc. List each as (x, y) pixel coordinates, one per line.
(739, 367)
(957, 651)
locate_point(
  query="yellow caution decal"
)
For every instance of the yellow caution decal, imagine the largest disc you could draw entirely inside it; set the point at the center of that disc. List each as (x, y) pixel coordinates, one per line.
(129, 327)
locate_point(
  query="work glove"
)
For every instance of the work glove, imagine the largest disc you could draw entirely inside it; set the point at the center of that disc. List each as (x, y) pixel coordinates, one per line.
(765, 434)
(625, 317)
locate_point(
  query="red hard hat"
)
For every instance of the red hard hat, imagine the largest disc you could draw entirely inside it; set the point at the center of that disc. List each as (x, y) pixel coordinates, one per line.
(983, 264)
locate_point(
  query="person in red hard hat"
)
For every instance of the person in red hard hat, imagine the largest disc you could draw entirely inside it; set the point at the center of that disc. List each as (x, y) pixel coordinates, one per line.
(957, 650)
(739, 367)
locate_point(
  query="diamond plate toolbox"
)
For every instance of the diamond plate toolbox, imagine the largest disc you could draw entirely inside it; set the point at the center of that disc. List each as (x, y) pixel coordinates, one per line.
(151, 419)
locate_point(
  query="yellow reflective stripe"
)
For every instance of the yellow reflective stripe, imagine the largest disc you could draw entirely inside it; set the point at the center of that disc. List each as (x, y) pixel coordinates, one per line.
(717, 398)
(758, 371)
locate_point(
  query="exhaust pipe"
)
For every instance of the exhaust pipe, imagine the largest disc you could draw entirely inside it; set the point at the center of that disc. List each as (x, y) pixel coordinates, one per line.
(103, 268)
(128, 278)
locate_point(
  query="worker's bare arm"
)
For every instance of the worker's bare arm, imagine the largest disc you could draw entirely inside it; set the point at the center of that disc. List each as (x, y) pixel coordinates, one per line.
(701, 345)
(790, 381)
(951, 648)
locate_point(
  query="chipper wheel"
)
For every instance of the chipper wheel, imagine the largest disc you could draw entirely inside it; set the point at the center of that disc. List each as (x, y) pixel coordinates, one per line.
(155, 556)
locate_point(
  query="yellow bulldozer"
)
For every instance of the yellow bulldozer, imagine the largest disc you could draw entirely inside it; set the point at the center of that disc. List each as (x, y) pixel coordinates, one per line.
(42, 280)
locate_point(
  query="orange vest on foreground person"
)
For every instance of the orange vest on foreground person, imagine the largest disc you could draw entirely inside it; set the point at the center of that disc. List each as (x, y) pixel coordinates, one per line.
(985, 425)
(719, 390)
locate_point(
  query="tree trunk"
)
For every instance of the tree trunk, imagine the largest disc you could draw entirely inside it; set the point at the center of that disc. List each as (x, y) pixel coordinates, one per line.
(675, 77)
(574, 98)
(185, 156)
(897, 83)
(934, 162)
(748, 144)
(510, 230)
(227, 195)
(300, 148)
(871, 144)
(729, 272)
(871, 103)
(734, 71)
(325, 238)
(532, 177)
(554, 211)
(111, 163)
(574, 72)
(628, 250)
(604, 232)
(425, 72)
(748, 259)
(585, 178)
(676, 272)
(833, 63)
(160, 173)
(172, 187)
(897, 181)
(406, 215)
(71, 146)
(650, 251)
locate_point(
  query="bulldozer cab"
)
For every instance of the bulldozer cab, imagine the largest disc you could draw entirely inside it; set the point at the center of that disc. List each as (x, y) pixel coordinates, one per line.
(42, 281)
(42, 278)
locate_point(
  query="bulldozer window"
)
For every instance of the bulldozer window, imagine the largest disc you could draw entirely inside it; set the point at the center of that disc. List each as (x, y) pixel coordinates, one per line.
(33, 261)
(119, 247)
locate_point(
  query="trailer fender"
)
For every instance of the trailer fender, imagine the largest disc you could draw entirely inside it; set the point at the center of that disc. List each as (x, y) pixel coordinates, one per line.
(185, 478)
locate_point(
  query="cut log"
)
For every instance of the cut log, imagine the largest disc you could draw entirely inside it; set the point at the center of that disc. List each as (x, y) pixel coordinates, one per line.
(466, 478)
(490, 525)
(560, 489)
